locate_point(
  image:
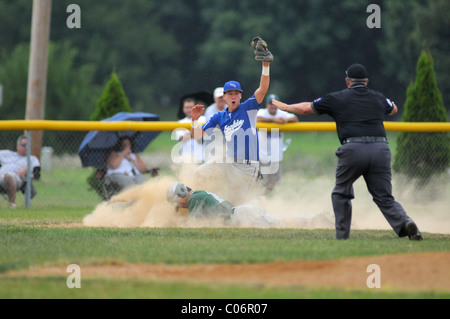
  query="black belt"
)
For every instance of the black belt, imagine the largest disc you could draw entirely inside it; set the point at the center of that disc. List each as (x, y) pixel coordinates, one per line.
(364, 139)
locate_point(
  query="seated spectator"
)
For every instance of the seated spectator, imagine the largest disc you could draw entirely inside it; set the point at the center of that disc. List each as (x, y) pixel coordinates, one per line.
(125, 168)
(13, 169)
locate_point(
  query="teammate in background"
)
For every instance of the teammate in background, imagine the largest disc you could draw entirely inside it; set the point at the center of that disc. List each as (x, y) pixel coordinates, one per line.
(359, 113)
(267, 156)
(238, 125)
(13, 169)
(191, 150)
(204, 204)
(217, 106)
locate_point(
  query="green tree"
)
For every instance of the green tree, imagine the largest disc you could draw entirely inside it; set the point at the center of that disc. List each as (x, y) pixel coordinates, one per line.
(112, 101)
(132, 37)
(164, 49)
(69, 88)
(409, 26)
(421, 155)
(13, 77)
(69, 93)
(312, 41)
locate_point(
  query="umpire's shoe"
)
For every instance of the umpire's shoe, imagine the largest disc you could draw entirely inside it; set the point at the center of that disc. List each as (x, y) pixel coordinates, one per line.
(412, 231)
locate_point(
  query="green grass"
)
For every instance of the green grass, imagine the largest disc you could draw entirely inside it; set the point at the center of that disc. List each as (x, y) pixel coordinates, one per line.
(163, 143)
(43, 288)
(25, 246)
(30, 239)
(42, 236)
(42, 216)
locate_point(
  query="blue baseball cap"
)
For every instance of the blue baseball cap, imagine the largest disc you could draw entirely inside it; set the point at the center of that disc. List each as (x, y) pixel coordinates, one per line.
(232, 85)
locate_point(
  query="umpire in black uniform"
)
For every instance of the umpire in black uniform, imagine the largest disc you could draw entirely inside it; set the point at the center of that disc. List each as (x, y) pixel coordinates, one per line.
(359, 113)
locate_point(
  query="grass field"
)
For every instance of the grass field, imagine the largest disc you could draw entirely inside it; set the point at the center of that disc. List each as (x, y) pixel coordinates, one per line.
(38, 244)
(54, 237)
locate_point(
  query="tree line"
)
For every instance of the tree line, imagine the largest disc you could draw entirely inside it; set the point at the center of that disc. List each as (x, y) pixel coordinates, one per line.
(162, 50)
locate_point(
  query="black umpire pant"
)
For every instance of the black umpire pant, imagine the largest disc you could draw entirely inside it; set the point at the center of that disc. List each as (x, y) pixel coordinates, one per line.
(373, 162)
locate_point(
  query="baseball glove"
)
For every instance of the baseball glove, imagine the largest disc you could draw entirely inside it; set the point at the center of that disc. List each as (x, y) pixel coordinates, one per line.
(261, 51)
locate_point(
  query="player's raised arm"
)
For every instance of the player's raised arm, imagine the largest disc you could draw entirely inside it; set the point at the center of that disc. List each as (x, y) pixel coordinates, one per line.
(262, 54)
(196, 130)
(261, 91)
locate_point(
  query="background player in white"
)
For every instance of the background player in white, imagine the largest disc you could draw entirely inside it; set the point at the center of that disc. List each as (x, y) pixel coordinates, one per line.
(191, 150)
(217, 106)
(268, 157)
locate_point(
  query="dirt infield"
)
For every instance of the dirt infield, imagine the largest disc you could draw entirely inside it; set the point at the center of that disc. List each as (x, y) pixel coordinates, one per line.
(406, 272)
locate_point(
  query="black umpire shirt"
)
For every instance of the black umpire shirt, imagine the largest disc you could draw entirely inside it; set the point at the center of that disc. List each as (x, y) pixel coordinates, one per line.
(357, 111)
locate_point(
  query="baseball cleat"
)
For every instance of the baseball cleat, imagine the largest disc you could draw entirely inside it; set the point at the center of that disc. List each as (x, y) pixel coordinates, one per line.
(412, 231)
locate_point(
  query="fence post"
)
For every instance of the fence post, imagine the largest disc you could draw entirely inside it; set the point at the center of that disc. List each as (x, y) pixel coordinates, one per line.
(29, 173)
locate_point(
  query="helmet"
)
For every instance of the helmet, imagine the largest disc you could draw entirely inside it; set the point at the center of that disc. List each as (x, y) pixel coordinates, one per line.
(176, 190)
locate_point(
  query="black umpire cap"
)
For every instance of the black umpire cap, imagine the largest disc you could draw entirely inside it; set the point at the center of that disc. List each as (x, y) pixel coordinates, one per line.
(357, 72)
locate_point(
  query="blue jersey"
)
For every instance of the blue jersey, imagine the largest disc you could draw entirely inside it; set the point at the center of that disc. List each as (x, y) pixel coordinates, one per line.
(239, 130)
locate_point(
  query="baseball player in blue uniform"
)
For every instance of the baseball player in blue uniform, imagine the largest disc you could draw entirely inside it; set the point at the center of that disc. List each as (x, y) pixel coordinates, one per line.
(237, 124)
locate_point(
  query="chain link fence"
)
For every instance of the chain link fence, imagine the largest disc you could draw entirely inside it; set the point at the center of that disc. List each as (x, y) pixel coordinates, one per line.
(309, 159)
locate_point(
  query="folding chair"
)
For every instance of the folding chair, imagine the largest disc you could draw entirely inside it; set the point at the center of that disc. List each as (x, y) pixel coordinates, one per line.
(108, 187)
(103, 185)
(36, 176)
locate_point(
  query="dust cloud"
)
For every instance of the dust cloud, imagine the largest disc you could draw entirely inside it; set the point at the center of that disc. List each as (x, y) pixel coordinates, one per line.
(295, 198)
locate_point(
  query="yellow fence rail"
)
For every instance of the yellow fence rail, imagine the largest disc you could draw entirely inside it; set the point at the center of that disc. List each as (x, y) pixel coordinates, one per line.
(31, 125)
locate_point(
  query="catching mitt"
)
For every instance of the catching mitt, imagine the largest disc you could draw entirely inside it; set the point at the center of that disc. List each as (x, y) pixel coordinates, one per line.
(261, 51)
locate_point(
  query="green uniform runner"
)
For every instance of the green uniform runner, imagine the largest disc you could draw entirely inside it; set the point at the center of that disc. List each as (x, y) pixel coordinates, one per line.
(206, 204)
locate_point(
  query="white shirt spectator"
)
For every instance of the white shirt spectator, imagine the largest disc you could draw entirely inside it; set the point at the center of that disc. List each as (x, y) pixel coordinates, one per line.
(188, 144)
(126, 167)
(11, 162)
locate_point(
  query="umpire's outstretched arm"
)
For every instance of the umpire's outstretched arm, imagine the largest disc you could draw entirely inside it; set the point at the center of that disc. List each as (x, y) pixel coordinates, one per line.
(305, 108)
